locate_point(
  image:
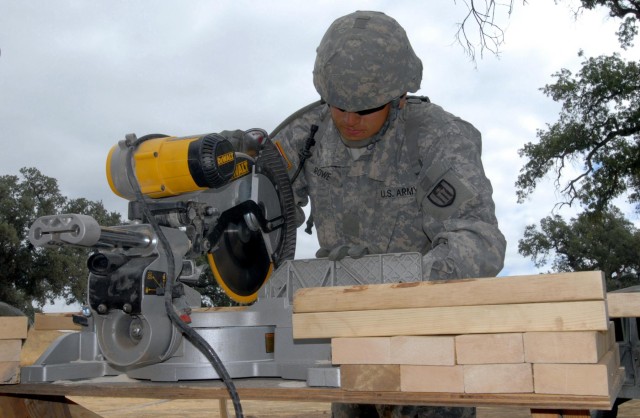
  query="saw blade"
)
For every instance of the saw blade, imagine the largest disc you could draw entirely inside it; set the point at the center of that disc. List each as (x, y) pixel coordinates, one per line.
(258, 235)
(241, 263)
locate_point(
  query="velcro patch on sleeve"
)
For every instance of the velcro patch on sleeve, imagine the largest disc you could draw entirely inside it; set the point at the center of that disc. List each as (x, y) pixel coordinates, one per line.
(442, 192)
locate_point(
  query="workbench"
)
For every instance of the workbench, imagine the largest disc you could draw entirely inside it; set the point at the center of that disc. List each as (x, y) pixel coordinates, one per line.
(52, 399)
(22, 400)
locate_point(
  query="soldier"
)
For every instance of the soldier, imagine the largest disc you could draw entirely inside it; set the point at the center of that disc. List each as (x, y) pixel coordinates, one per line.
(389, 172)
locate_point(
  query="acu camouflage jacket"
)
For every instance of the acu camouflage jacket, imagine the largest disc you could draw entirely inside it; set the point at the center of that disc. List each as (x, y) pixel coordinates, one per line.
(421, 188)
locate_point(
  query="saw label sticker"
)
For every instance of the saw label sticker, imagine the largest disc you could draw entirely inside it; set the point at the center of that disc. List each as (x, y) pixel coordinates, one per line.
(153, 281)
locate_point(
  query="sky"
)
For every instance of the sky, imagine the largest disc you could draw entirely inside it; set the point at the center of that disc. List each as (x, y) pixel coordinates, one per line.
(77, 76)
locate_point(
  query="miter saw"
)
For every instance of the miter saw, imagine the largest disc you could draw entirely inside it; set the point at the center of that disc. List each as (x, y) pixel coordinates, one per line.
(226, 197)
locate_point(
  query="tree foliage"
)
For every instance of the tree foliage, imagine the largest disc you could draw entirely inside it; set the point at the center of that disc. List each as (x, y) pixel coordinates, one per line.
(626, 10)
(604, 241)
(482, 20)
(32, 277)
(593, 154)
(212, 293)
(596, 140)
(597, 134)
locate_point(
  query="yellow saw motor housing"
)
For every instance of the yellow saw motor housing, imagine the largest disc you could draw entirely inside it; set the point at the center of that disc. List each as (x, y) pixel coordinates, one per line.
(167, 166)
(170, 166)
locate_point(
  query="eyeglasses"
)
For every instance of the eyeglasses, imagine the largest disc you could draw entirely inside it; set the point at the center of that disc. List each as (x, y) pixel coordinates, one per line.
(364, 112)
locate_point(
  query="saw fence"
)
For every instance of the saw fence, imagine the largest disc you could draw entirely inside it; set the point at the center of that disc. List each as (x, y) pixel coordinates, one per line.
(543, 342)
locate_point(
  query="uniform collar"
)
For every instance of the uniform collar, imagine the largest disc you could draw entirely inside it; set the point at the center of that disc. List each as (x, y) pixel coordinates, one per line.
(385, 154)
(378, 163)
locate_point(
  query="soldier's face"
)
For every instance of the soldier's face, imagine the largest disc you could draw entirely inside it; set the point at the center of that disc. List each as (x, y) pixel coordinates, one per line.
(356, 126)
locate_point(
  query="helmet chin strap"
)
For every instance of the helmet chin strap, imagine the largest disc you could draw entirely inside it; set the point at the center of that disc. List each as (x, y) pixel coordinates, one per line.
(371, 142)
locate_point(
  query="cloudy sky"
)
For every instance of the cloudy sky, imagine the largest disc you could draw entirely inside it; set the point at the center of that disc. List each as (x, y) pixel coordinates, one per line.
(76, 76)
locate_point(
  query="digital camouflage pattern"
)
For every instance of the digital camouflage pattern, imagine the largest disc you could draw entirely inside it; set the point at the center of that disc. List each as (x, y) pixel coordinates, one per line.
(419, 189)
(396, 411)
(419, 185)
(364, 61)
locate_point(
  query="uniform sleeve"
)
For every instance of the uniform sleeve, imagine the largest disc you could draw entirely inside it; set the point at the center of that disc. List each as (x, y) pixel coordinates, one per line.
(455, 198)
(290, 140)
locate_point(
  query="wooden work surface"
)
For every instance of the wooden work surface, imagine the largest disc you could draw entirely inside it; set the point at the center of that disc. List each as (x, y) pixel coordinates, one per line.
(287, 390)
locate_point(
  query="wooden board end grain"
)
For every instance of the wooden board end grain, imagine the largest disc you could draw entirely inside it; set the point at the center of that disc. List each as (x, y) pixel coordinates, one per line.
(370, 377)
(10, 350)
(498, 378)
(578, 379)
(568, 347)
(13, 327)
(435, 350)
(622, 304)
(444, 379)
(489, 348)
(9, 372)
(365, 350)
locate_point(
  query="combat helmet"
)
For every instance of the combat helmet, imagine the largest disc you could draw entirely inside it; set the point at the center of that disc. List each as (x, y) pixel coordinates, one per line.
(365, 60)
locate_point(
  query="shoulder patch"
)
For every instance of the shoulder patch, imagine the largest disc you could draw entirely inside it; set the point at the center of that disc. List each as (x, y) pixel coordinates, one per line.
(443, 194)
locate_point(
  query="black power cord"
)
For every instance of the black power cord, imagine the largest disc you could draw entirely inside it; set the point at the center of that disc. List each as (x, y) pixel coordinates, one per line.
(305, 152)
(196, 339)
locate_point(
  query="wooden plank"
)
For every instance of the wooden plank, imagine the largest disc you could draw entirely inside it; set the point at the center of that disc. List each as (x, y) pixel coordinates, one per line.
(498, 378)
(365, 350)
(286, 390)
(575, 286)
(36, 344)
(423, 350)
(555, 316)
(489, 348)
(9, 372)
(56, 321)
(415, 378)
(370, 377)
(13, 407)
(624, 303)
(568, 347)
(578, 379)
(10, 350)
(193, 408)
(13, 327)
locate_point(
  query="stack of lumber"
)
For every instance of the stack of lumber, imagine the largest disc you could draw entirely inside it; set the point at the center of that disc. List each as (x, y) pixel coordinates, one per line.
(13, 330)
(45, 330)
(543, 334)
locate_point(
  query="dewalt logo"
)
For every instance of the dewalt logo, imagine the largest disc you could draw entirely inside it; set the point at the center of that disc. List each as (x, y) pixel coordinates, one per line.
(242, 169)
(225, 158)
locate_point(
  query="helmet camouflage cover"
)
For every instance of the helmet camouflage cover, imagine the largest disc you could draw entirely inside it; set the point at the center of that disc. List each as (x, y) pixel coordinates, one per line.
(365, 60)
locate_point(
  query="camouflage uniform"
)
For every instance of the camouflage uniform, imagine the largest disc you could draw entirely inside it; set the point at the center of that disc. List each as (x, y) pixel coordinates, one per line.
(419, 184)
(434, 198)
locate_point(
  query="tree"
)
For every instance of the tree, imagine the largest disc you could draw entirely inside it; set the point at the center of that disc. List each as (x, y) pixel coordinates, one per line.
(31, 277)
(598, 129)
(490, 36)
(593, 151)
(604, 241)
(212, 293)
